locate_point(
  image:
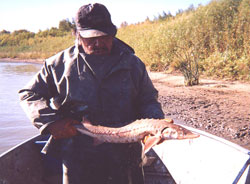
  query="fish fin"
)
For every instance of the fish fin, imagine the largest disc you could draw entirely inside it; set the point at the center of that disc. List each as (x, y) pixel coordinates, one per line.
(147, 161)
(168, 120)
(151, 142)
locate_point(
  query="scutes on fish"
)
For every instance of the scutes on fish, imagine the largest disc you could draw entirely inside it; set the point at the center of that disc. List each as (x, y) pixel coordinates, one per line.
(153, 131)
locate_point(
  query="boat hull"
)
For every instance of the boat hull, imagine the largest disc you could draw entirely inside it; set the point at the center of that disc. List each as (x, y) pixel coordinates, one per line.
(26, 164)
(22, 164)
(207, 159)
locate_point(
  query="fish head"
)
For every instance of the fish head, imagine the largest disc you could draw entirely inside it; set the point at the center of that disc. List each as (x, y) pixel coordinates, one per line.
(177, 132)
(169, 133)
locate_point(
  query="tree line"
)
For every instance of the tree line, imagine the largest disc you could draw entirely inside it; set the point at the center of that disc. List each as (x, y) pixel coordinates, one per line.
(16, 37)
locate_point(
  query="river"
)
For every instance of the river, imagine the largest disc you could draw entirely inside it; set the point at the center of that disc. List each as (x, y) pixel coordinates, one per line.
(15, 127)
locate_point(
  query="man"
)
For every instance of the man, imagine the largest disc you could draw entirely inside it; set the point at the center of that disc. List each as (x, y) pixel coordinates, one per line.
(102, 76)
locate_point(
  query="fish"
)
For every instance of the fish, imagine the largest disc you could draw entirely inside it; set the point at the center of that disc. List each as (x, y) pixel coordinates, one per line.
(149, 131)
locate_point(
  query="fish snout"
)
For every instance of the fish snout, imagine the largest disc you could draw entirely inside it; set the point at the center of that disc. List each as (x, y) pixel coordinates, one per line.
(187, 134)
(178, 133)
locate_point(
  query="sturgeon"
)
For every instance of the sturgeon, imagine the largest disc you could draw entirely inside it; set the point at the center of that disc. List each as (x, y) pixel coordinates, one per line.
(150, 131)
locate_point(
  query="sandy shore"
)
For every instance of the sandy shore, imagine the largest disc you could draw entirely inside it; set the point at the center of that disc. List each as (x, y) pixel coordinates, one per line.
(219, 107)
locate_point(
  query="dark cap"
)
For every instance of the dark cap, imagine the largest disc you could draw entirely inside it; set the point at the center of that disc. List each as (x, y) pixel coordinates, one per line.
(94, 20)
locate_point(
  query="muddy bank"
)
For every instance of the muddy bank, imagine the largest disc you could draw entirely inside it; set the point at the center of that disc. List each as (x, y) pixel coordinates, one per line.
(218, 107)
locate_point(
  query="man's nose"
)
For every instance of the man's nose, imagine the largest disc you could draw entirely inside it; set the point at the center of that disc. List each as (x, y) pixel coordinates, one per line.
(97, 42)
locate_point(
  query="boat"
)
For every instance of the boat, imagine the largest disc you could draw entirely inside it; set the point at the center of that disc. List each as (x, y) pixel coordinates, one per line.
(204, 160)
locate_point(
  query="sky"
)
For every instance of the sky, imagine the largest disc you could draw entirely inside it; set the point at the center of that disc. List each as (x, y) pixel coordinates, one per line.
(35, 15)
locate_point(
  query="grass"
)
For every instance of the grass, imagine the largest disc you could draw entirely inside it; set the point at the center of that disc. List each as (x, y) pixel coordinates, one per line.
(215, 38)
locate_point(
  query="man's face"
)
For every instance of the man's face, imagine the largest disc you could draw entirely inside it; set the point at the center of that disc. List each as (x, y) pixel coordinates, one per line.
(101, 45)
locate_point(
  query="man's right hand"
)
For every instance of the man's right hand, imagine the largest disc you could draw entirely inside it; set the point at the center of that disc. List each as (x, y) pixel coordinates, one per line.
(63, 128)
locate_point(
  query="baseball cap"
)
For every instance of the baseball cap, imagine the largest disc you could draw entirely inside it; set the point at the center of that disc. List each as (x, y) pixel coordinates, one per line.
(94, 20)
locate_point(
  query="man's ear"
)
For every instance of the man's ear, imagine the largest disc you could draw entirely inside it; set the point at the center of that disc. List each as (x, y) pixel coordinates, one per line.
(78, 38)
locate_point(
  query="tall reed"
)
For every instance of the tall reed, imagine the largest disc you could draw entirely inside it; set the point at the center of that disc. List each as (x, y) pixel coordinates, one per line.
(211, 40)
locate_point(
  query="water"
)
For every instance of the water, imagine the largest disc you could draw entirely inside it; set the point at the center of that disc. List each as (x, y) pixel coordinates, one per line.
(15, 127)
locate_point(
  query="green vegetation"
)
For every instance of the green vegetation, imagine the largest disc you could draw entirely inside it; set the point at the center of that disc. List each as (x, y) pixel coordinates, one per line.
(211, 40)
(215, 38)
(27, 45)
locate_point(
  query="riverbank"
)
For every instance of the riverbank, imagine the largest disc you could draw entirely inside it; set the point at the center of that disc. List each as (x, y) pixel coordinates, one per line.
(219, 107)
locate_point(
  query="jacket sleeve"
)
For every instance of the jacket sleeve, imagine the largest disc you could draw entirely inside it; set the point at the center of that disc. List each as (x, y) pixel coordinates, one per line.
(147, 102)
(35, 99)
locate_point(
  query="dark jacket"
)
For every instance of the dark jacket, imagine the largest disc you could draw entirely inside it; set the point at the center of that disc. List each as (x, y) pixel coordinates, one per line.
(123, 93)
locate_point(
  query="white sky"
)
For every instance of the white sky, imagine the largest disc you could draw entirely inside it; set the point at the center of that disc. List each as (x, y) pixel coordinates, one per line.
(33, 15)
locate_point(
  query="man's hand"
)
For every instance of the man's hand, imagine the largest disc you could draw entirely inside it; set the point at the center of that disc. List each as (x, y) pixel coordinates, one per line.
(63, 128)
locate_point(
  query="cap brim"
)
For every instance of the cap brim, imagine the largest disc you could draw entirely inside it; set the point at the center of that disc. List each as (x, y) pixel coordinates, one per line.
(91, 33)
